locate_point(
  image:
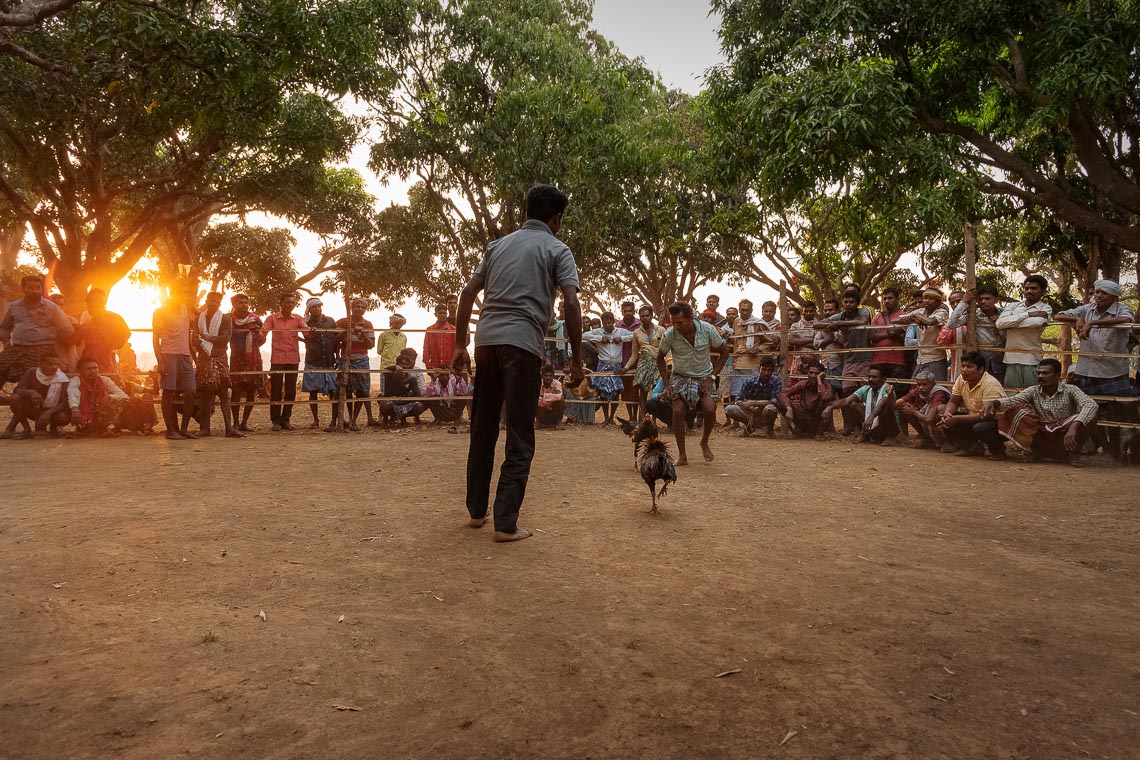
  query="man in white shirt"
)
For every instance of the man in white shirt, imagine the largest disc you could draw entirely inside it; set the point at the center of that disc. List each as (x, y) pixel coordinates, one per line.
(608, 339)
(1022, 324)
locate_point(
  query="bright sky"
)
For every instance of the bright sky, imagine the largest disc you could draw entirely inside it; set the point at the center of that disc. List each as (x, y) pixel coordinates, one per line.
(675, 37)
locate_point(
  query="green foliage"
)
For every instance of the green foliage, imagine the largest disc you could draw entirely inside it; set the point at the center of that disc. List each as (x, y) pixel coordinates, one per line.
(133, 121)
(971, 110)
(253, 260)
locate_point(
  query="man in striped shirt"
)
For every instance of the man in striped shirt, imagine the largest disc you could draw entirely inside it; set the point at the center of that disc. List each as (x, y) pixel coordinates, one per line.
(1050, 420)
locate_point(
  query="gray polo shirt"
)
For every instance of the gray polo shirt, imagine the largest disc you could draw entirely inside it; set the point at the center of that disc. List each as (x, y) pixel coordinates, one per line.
(1107, 340)
(519, 275)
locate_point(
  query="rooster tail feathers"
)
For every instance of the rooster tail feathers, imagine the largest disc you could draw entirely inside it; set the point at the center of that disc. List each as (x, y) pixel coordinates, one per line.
(653, 445)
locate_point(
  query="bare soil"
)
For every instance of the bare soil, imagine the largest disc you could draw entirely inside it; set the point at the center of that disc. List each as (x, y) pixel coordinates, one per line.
(863, 602)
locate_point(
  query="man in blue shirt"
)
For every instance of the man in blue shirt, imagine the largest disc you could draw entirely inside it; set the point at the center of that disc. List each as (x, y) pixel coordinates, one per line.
(758, 400)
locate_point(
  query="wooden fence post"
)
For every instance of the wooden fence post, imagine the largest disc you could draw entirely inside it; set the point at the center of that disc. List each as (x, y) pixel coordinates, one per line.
(785, 369)
(970, 237)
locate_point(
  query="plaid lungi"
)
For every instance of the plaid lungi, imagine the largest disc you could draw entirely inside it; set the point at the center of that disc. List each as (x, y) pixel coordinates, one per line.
(1105, 386)
(1021, 425)
(690, 389)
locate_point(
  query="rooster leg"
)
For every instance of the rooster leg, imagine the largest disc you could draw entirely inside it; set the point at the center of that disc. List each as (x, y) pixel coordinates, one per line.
(664, 486)
(653, 495)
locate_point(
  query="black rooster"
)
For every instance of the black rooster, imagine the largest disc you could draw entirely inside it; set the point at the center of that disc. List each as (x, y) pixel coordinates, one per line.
(638, 433)
(654, 462)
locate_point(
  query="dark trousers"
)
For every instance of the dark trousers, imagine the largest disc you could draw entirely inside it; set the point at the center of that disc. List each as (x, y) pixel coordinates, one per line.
(507, 378)
(986, 431)
(282, 381)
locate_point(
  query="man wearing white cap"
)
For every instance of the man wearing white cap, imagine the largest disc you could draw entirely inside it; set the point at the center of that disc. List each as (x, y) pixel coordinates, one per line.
(322, 346)
(1102, 327)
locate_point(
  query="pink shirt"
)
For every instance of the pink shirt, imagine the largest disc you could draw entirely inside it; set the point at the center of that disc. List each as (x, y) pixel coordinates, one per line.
(286, 345)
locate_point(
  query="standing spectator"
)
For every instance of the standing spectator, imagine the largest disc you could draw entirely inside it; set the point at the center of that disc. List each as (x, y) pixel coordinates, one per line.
(768, 316)
(322, 353)
(1022, 324)
(246, 340)
(609, 341)
(857, 364)
(629, 393)
(801, 338)
(30, 330)
(985, 323)
(1049, 420)
(392, 341)
(887, 336)
(643, 355)
(929, 321)
(362, 340)
(212, 339)
(556, 341)
(746, 347)
(712, 303)
(171, 341)
(518, 277)
(874, 405)
(922, 406)
(759, 399)
(40, 398)
(101, 333)
(689, 382)
(1102, 327)
(804, 400)
(65, 345)
(550, 402)
(828, 338)
(962, 420)
(452, 304)
(286, 329)
(439, 340)
(96, 403)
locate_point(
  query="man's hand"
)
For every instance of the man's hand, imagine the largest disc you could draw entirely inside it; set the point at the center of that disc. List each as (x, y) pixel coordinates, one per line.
(1040, 314)
(867, 426)
(970, 295)
(576, 372)
(989, 410)
(946, 421)
(460, 359)
(1083, 329)
(1071, 438)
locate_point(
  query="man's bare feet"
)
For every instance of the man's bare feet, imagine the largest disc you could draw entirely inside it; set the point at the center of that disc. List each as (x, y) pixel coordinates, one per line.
(476, 522)
(707, 451)
(188, 434)
(682, 461)
(235, 434)
(518, 535)
(175, 437)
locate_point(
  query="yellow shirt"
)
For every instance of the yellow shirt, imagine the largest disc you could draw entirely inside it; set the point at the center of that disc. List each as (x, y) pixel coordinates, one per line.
(987, 389)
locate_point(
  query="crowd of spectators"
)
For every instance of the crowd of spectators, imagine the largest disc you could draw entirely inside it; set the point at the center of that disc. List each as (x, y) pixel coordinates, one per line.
(883, 372)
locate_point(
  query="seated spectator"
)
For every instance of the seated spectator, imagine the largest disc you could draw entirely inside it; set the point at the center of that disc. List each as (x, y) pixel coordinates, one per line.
(804, 400)
(758, 400)
(962, 421)
(874, 403)
(1050, 420)
(922, 406)
(444, 384)
(550, 402)
(96, 402)
(402, 384)
(41, 398)
(663, 410)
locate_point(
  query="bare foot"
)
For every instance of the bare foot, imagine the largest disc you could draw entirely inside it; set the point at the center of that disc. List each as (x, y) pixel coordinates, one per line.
(518, 535)
(175, 437)
(476, 522)
(235, 434)
(682, 460)
(707, 451)
(188, 434)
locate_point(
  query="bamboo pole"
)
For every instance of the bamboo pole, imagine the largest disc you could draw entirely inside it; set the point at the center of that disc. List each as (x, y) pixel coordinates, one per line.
(970, 236)
(1066, 348)
(346, 359)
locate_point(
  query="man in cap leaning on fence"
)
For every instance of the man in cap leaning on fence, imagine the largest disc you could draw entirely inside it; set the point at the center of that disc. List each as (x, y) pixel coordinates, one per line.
(1101, 326)
(518, 277)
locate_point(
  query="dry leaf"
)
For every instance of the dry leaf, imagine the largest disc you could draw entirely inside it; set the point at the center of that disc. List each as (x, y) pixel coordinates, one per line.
(57, 585)
(787, 736)
(261, 614)
(948, 670)
(726, 673)
(340, 619)
(346, 708)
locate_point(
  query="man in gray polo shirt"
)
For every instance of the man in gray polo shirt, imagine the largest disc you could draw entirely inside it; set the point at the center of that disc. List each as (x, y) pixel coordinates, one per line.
(518, 277)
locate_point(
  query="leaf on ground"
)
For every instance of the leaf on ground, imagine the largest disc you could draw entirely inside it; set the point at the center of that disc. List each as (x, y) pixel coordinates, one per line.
(57, 585)
(340, 619)
(726, 673)
(787, 737)
(347, 708)
(261, 614)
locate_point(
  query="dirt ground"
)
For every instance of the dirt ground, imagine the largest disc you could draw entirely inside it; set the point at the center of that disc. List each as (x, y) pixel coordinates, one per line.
(856, 602)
